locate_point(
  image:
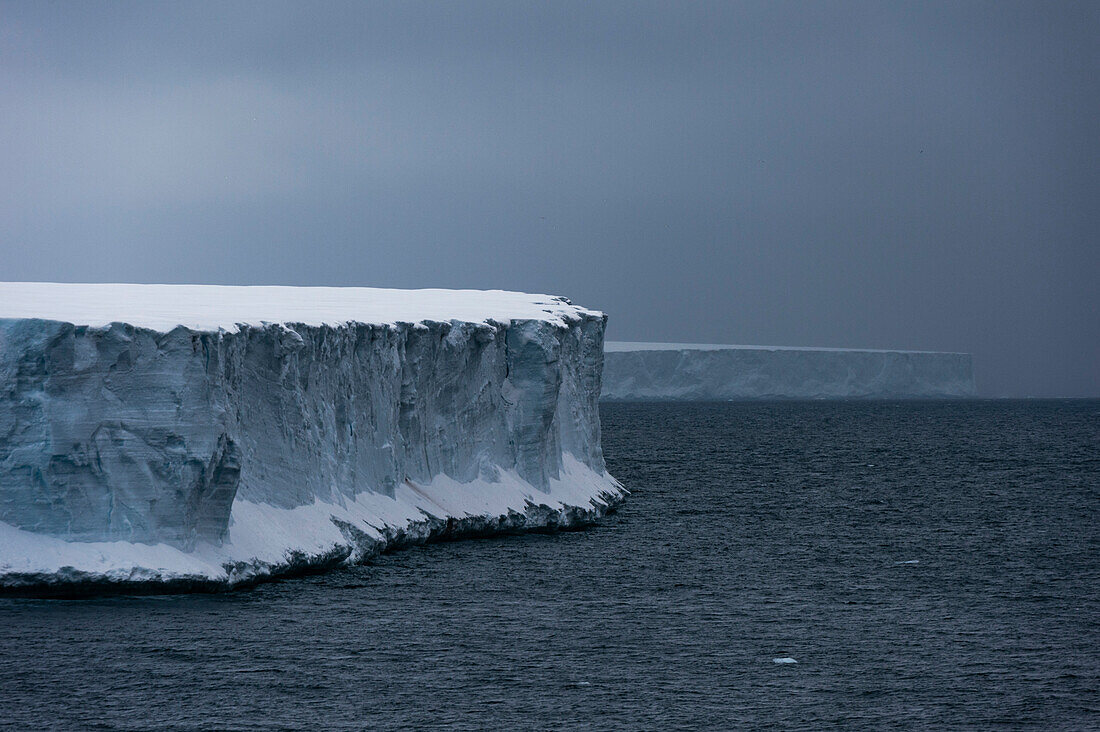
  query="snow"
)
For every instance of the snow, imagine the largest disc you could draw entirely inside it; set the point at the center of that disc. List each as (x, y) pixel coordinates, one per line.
(213, 307)
(228, 434)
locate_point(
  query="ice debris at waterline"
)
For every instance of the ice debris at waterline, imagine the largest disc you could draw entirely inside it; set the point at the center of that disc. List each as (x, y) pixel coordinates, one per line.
(194, 436)
(687, 371)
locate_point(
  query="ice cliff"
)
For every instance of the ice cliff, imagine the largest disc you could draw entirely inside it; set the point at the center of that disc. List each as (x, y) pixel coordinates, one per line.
(201, 436)
(682, 371)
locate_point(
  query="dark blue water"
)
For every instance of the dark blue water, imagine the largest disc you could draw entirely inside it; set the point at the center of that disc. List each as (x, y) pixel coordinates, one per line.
(755, 531)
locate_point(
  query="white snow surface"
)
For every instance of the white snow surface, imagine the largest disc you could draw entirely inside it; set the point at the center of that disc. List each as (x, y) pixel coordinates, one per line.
(218, 435)
(213, 307)
(693, 371)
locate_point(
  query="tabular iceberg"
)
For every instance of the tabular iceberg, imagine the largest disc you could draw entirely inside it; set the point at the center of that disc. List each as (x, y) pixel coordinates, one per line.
(187, 436)
(684, 371)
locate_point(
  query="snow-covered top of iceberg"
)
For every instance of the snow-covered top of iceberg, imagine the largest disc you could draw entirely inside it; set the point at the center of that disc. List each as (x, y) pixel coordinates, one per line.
(214, 307)
(626, 346)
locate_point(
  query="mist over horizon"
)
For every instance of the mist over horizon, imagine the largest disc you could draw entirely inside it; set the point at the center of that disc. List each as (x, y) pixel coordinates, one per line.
(836, 174)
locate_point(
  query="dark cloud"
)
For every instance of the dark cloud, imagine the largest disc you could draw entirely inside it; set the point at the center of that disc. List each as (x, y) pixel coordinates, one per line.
(850, 174)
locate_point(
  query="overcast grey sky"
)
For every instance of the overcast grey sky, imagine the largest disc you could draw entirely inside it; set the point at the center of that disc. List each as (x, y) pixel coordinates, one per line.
(887, 175)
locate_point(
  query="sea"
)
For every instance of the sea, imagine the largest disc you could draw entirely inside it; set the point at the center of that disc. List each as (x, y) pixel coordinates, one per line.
(791, 565)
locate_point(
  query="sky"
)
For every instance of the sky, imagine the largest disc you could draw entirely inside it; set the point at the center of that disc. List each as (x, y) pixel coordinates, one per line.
(882, 174)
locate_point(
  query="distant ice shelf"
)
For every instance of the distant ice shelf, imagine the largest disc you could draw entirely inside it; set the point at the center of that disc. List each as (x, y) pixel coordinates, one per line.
(193, 437)
(698, 372)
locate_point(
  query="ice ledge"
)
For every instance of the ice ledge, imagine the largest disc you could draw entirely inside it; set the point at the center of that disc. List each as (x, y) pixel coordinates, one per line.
(631, 346)
(266, 542)
(701, 372)
(200, 436)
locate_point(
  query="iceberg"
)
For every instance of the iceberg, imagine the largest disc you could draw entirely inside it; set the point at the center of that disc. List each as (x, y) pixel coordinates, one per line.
(157, 437)
(698, 372)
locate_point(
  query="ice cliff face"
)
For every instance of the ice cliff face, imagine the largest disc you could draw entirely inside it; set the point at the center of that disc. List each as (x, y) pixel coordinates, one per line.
(673, 371)
(134, 450)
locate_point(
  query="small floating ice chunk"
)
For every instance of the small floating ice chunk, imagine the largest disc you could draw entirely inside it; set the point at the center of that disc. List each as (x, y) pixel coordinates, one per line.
(909, 561)
(785, 659)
